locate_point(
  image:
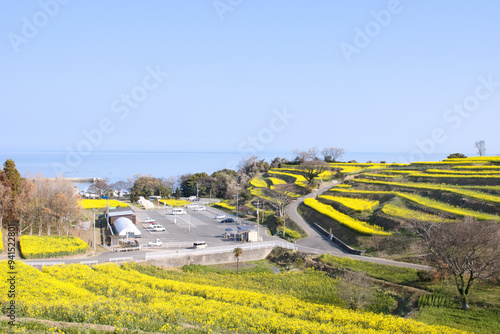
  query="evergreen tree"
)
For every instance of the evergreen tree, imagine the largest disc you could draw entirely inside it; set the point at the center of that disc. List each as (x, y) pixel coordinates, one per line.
(13, 175)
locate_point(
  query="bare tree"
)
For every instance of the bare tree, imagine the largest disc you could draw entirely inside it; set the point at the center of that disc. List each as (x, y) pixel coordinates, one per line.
(332, 154)
(282, 195)
(309, 155)
(468, 250)
(312, 169)
(100, 187)
(480, 147)
(355, 290)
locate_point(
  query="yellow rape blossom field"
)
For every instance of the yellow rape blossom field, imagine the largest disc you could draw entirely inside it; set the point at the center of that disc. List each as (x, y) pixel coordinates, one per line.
(100, 203)
(40, 247)
(122, 297)
(357, 204)
(395, 211)
(225, 206)
(174, 202)
(349, 222)
(258, 182)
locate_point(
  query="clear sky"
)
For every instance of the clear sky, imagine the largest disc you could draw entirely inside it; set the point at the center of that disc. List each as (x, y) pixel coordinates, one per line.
(171, 75)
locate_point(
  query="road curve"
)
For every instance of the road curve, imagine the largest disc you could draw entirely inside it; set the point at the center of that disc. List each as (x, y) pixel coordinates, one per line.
(317, 243)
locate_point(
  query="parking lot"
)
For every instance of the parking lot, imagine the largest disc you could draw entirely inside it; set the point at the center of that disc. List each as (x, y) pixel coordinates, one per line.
(181, 231)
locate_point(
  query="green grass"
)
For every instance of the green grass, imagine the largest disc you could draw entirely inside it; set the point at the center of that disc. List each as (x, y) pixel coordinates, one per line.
(387, 273)
(474, 320)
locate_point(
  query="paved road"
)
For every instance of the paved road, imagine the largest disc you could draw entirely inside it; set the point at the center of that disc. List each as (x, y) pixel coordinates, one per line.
(317, 243)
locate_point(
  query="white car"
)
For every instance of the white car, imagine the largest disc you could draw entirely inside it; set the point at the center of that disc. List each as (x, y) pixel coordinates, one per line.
(220, 216)
(200, 208)
(149, 221)
(156, 243)
(157, 228)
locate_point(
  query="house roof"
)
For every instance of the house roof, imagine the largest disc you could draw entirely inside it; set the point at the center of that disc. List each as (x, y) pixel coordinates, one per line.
(244, 228)
(120, 212)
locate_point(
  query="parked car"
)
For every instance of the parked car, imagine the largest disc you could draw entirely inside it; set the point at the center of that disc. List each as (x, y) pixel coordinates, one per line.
(227, 220)
(220, 216)
(156, 243)
(200, 245)
(157, 228)
(200, 208)
(149, 221)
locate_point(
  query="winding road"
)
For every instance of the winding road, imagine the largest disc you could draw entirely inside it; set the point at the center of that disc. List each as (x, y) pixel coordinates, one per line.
(317, 243)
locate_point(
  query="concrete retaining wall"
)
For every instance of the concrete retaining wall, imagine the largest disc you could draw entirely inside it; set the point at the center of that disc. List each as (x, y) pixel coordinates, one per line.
(208, 259)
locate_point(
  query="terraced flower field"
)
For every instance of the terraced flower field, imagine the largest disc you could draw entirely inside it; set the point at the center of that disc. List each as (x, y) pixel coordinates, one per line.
(127, 298)
(356, 204)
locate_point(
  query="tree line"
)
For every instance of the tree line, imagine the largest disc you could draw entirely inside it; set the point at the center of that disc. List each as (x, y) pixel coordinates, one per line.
(37, 204)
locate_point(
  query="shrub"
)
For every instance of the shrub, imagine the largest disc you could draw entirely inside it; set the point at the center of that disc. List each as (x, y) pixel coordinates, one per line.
(457, 156)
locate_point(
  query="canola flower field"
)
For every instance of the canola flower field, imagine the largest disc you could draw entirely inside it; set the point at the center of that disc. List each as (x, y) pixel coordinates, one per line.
(175, 202)
(356, 204)
(343, 219)
(225, 206)
(405, 213)
(100, 203)
(433, 186)
(258, 182)
(40, 247)
(120, 296)
(424, 201)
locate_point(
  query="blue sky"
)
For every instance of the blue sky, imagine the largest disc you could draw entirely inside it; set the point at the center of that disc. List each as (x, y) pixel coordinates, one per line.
(368, 76)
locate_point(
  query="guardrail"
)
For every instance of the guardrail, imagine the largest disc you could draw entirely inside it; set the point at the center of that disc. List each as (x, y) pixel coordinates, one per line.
(219, 250)
(90, 262)
(337, 241)
(121, 259)
(42, 264)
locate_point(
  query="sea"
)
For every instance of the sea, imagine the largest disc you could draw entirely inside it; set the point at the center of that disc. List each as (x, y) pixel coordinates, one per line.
(122, 165)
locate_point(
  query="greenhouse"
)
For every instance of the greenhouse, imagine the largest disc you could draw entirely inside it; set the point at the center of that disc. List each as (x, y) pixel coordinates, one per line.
(124, 228)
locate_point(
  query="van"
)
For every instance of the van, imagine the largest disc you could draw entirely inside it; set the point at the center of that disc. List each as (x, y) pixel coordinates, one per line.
(200, 245)
(179, 211)
(192, 198)
(157, 227)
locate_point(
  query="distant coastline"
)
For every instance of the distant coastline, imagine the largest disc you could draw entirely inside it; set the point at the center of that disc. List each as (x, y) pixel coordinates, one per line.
(121, 165)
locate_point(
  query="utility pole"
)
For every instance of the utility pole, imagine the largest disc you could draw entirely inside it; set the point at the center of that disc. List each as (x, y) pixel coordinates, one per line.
(93, 210)
(197, 198)
(236, 207)
(258, 218)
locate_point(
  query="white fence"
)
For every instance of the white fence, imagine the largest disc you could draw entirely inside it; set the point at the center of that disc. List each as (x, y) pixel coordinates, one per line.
(45, 263)
(121, 259)
(219, 250)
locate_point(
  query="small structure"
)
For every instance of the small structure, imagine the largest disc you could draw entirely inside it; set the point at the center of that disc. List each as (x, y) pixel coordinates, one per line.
(114, 214)
(243, 233)
(124, 228)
